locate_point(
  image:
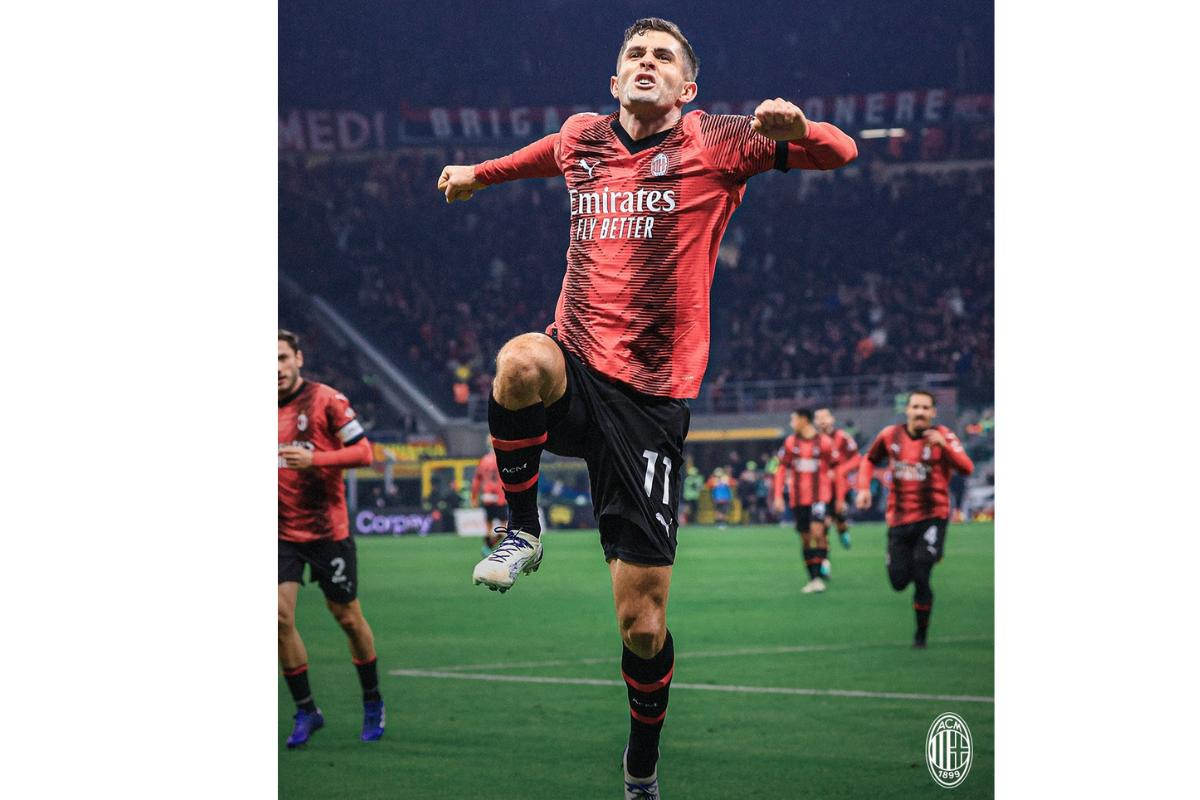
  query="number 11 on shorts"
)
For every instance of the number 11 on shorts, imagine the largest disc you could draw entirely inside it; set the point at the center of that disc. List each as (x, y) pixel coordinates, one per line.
(651, 461)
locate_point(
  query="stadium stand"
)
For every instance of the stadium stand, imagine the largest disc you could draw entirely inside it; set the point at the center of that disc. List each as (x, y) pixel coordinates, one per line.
(851, 274)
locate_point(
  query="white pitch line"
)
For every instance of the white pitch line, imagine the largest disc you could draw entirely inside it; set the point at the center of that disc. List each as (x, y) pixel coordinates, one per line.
(744, 651)
(708, 687)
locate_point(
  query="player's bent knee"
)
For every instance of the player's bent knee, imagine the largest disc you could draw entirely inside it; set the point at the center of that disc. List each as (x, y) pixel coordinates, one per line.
(525, 363)
(644, 634)
(348, 615)
(900, 580)
(645, 643)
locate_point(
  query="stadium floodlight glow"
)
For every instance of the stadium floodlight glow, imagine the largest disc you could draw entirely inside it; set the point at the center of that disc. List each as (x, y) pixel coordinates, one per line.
(881, 133)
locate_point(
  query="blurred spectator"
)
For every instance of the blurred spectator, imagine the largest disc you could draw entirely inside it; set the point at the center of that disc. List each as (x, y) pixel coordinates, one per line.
(721, 486)
(693, 484)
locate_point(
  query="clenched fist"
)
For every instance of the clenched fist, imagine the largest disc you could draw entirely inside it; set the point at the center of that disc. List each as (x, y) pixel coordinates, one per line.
(780, 120)
(458, 183)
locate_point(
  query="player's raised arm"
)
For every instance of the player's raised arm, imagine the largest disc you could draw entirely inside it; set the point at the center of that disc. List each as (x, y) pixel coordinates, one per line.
(536, 160)
(952, 449)
(810, 145)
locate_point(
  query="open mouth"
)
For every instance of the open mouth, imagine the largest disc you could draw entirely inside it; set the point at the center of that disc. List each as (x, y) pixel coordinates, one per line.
(644, 80)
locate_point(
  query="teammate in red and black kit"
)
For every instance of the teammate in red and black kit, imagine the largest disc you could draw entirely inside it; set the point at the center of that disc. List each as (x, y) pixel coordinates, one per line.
(846, 458)
(922, 457)
(806, 466)
(319, 435)
(651, 192)
(487, 491)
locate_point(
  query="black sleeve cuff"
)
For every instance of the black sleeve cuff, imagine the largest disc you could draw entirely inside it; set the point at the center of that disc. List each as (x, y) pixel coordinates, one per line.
(781, 153)
(355, 440)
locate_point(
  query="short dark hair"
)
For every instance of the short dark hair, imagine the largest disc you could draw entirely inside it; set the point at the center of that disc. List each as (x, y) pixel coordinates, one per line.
(293, 341)
(666, 26)
(932, 399)
(804, 413)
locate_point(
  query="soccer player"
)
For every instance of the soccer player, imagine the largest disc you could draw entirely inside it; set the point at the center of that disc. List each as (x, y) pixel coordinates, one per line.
(486, 489)
(922, 457)
(319, 435)
(651, 192)
(845, 459)
(806, 466)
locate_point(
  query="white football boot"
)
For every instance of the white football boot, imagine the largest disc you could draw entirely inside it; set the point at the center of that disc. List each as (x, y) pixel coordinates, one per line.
(639, 788)
(519, 553)
(814, 585)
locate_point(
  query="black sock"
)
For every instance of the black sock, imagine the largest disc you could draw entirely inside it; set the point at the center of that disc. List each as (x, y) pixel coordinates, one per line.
(923, 607)
(368, 678)
(297, 681)
(648, 681)
(518, 438)
(812, 562)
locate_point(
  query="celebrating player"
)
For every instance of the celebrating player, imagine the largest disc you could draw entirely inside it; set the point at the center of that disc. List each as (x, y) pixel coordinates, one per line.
(651, 192)
(922, 457)
(319, 435)
(486, 490)
(806, 466)
(845, 459)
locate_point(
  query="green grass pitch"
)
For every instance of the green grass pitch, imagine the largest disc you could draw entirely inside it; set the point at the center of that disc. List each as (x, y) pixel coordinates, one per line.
(732, 590)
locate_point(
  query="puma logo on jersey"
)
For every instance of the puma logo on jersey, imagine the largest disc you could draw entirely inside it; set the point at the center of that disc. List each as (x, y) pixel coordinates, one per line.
(583, 163)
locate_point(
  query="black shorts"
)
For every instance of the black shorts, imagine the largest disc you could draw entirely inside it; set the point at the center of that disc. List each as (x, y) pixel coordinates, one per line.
(831, 513)
(807, 515)
(491, 512)
(921, 542)
(333, 565)
(633, 446)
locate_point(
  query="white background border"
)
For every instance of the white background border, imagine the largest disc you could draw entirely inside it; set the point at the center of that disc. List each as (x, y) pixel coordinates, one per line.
(140, 263)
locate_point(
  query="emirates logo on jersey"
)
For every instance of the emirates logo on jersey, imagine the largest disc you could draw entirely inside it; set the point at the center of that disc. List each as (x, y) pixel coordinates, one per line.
(302, 422)
(907, 471)
(658, 166)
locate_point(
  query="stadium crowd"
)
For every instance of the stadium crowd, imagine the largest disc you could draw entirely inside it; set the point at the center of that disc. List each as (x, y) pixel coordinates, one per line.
(549, 61)
(328, 362)
(834, 275)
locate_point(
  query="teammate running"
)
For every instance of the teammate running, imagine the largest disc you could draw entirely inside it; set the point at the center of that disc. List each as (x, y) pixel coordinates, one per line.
(846, 458)
(922, 457)
(486, 490)
(806, 467)
(651, 192)
(319, 435)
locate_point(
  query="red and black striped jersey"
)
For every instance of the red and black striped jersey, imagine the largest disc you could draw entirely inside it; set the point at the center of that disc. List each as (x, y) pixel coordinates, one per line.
(646, 220)
(806, 466)
(486, 487)
(845, 459)
(920, 472)
(312, 502)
